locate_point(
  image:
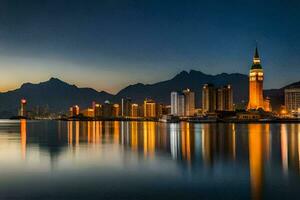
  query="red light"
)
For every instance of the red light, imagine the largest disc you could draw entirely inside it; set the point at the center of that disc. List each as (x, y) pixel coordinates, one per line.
(23, 101)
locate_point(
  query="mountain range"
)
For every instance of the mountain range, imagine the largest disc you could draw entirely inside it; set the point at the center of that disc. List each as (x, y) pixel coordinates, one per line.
(58, 96)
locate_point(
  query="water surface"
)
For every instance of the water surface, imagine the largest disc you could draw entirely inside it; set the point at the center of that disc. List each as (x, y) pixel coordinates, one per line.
(148, 160)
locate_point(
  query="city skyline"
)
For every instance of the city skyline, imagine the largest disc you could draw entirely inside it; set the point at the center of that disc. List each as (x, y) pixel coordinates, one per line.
(108, 45)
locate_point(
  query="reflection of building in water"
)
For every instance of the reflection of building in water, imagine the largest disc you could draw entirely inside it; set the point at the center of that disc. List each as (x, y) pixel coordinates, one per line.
(182, 141)
(23, 136)
(290, 147)
(174, 138)
(218, 142)
(187, 141)
(259, 150)
(116, 127)
(70, 133)
(134, 135)
(149, 137)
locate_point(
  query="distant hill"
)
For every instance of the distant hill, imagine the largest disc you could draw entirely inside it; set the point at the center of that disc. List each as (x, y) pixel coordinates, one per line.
(54, 93)
(194, 80)
(59, 95)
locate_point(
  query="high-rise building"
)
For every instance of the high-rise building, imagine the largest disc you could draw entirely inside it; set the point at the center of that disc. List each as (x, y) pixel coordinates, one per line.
(208, 98)
(256, 79)
(74, 111)
(177, 103)
(134, 110)
(224, 98)
(126, 107)
(23, 112)
(189, 102)
(217, 99)
(98, 110)
(107, 109)
(116, 110)
(174, 103)
(149, 108)
(292, 100)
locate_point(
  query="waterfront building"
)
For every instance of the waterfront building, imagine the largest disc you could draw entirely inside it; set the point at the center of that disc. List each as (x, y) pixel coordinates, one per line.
(267, 104)
(177, 103)
(107, 109)
(224, 98)
(248, 116)
(22, 111)
(74, 111)
(256, 79)
(168, 110)
(149, 108)
(126, 107)
(116, 110)
(134, 110)
(189, 102)
(292, 100)
(98, 110)
(89, 112)
(217, 99)
(208, 98)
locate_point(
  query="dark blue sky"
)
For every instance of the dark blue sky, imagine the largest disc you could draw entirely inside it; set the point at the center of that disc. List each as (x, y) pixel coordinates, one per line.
(108, 44)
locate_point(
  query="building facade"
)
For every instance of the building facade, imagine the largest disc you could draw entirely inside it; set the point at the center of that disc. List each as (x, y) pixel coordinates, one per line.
(177, 103)
(134, 110)
(74, 111)
(98, 110)
(189, 102)
(209, 98)
(183, 103)
(126, 107)
(149, 108)
(292, 100)
(217, 99)
(107, 109)
(224, 98)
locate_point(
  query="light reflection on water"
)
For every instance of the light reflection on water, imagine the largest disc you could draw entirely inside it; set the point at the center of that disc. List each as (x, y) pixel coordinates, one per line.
(146, 160)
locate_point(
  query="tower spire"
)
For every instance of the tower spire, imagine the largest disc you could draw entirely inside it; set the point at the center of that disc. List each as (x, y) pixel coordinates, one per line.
(256, 59)
(256, 55)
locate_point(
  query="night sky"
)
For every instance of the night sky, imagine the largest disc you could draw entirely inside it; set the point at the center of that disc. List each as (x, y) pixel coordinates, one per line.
(109, 44)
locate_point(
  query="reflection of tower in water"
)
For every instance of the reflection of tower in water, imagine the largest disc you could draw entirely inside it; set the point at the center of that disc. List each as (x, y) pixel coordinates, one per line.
(259, 149)
(23, 137)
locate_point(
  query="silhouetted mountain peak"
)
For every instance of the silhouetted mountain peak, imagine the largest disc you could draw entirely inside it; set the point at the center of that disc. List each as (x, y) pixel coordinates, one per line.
(56, 81)
(26, 85)
(182, 75)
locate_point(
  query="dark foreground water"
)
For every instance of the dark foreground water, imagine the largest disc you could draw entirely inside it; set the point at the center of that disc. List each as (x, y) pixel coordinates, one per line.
(148, 160)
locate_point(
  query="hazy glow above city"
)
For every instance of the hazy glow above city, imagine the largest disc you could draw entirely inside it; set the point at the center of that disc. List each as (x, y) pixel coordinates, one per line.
(108, 45)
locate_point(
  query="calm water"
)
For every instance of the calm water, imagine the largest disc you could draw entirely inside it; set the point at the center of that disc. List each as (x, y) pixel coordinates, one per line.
(148, 160)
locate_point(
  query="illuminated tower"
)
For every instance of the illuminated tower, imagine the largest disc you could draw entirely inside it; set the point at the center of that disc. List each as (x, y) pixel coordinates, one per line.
(23, 108)
(256, 79)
